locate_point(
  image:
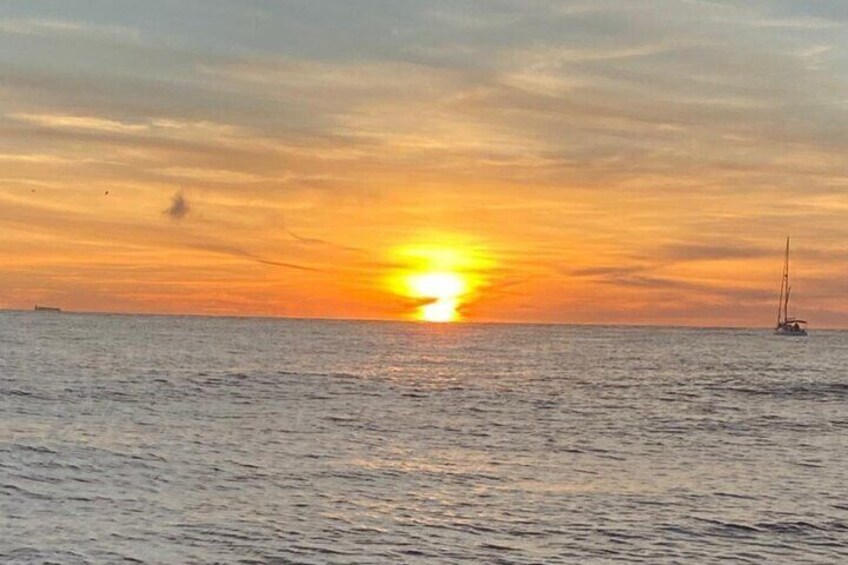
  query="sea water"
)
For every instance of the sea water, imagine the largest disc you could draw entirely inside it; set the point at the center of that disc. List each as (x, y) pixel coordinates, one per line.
(149, 439)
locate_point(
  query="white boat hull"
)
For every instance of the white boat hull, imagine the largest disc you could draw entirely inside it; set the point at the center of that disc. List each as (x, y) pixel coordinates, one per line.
(790, 332)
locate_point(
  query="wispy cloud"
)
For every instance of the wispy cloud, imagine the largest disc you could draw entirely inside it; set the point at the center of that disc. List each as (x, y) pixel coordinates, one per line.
(35, 26)
(79, 122)
(712, 252)
(322, 242)
(243, 254)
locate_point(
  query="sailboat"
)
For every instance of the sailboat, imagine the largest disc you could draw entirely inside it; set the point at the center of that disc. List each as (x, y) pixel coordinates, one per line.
(787, 326)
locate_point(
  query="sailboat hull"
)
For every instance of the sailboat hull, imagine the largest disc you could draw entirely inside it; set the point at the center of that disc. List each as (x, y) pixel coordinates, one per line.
(789, 331)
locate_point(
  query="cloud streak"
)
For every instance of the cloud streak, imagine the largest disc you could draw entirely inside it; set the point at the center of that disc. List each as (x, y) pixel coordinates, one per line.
(57, 27)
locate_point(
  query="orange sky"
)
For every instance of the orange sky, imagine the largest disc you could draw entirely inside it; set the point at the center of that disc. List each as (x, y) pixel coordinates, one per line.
(594, 162)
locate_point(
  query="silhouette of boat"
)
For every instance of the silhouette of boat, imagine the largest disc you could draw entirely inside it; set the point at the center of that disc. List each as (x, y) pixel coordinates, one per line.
(786, 326)
(47, 308)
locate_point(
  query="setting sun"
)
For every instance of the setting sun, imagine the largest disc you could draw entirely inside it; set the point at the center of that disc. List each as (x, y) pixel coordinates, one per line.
(444, 289)
(441, 279)
(441, 310)
(437, 285)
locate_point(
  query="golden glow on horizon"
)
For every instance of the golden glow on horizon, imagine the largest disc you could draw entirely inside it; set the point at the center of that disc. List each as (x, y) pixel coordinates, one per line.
(442, 310)
(445, 290)
(442, 279)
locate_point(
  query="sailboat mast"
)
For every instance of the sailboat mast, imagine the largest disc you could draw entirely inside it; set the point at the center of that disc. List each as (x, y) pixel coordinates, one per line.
(784, 288)
(786, 283)
(785, 325)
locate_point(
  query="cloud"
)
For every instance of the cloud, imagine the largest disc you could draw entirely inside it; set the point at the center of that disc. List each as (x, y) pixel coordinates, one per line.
(211, 175)
(179, 207)
(314, 241)
(646, 279)
(712, 252)
(48, 27)
(241, 253)
(79, 122)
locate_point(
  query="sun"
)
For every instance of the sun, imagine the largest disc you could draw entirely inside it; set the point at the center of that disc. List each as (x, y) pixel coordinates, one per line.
(437, 285)
(440, 278)
(443, 289)
(441, 310)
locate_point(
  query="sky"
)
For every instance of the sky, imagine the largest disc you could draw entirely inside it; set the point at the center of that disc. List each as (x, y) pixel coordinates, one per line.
(586, 161)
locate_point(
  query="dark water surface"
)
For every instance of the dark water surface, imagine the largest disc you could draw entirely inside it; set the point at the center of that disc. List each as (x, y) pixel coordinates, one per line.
(208, 440)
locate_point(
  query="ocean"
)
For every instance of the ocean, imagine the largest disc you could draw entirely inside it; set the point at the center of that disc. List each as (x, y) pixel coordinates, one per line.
(145, 439)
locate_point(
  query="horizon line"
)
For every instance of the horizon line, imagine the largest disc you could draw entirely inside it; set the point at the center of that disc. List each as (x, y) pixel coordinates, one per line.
(415, 322)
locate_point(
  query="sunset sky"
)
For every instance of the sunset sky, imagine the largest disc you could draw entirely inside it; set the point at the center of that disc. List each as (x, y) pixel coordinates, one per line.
(587, 161)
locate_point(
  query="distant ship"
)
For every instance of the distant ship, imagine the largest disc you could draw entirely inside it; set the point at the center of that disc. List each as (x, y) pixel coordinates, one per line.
(787, 326)
(47, 308)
